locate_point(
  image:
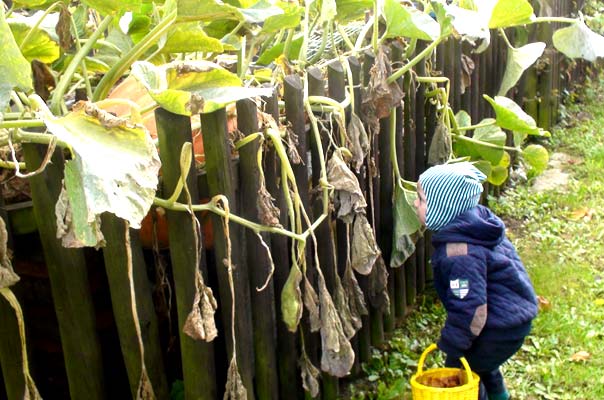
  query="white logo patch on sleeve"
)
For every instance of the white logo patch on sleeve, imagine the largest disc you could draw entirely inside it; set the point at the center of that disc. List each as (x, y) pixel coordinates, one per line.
(460, 287)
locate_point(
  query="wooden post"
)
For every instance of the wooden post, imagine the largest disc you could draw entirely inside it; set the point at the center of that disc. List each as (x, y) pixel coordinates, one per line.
(116, 268)
(263, 302)
(420, 161)
(173, 131)
(376, 317)
(409, 148)
(364, 334)
(221, 180)
(69, 283)
(289, 380)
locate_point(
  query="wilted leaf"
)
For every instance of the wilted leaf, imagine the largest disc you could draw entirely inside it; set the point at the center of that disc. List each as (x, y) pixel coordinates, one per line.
(14, 68)
(518, 61)
(467, 68)
(409, 22)
(360, 141)
(440, 148)
(378, 286)
(511, 116)
(7, 274)
(310, 376)
(190, 37)
(63, 29)
(365, 250)
(115, 166)
(544, 304)
(584, 213)
(193, 87)
(580, 356)
(311, 301)
(234, 389)
(291, 299)
(406, 223)
(508, 13)
(578, 41)
(337, 356)
(381, 96)
(537, 157)
(200, 324)
(349, 199)
(43, 79)
(356, 298)
(350, 323)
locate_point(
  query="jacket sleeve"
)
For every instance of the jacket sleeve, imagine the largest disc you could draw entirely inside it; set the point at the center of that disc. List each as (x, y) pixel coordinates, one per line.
(465, 301)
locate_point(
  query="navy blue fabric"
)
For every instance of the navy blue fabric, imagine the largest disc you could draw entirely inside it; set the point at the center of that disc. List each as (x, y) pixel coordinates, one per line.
(495, 275)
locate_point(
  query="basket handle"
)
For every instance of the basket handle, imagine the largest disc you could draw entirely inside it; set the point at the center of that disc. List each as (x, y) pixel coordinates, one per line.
(430, 349)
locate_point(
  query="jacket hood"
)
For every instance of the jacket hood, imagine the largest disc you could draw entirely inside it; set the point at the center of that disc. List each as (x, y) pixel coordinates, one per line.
(476, 226)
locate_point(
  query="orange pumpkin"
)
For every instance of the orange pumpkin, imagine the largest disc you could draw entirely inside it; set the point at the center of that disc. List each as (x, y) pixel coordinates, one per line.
(132, 90)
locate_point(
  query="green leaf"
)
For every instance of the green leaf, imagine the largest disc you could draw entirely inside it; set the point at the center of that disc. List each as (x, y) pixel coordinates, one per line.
(40, 46)
(114, 169)
(537, 157)
(445, 20)
(350, 10)
(518, 60)
(508, 13)
(409, 22)
(490, 134)
(260, 11)
(406, 223)
(192, 87)
(519, 138)
(484, 166)
(291, 299)
(271, 54)
(328, 11)
(93, 64)
(112, 7)
(463, 119)
(578, 41)
(498, 175)
(37, 4)
(14, 68)
(511, 116)
(190, 37)
(289, 19)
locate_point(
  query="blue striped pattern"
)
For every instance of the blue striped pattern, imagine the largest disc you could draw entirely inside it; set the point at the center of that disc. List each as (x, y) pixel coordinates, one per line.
(450, 190)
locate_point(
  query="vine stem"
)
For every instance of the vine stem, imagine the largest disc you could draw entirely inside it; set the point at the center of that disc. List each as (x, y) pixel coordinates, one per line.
(57, 96)
(38, 22)
(423, 54)
(555, 19)
(477, 126)
(393, 155)
(116, 72)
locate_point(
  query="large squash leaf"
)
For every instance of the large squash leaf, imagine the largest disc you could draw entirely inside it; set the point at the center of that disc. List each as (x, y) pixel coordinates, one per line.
(578, 41)
(409, 22)
(114, 169)
(471, 26)
(537, 157)
(493, 135)
(193, 87)
(406, 224)
(508, 13)
(14, 68)
(350, 10)
(40, 46)
(290, 18)
(213, 10)
(511, 116)
(190, 37)
(518, 60)
(111, 7)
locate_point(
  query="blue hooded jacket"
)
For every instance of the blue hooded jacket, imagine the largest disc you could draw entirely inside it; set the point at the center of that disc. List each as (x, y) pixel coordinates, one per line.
(481, 282)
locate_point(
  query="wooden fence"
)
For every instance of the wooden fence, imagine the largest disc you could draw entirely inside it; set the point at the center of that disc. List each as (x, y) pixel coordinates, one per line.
(91, 346)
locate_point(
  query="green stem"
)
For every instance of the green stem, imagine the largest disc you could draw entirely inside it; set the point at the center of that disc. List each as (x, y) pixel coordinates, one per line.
(424, 53)
(505, 38)
(432, 79)
(83, 62)
(393, 155)
(470, 127)
(345, 38)
(324, 36)
(288, 43)
(115, 73)
(32, 137)
(57, 96)
(555, 19)
(22, 123)
(376, 27)
(11, 165)
(485, 144)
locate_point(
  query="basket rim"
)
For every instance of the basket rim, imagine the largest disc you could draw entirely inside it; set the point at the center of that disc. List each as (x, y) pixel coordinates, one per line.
(462, 388)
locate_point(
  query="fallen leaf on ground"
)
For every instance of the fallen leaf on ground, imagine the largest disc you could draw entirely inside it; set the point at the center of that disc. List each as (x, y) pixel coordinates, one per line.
(544, 304)
(580, 356)
(599, 302)
(584, 213)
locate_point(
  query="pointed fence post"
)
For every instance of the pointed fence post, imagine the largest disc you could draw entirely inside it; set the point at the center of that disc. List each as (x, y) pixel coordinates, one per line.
(69, 283)
(197, 356)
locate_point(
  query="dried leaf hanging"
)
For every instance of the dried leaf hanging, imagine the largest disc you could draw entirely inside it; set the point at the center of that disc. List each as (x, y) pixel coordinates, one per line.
(234, 388)
(337, 355)
(382, 96)
(268, 212)
(365, 250)
(356, 298)
(349, 199)
(360, 141)
(350, 324)
(467, 68)
(72, 234)
(311, 301)
(200, 322)
(8, 277)
(378, 287)
(440, 148)
(310, 376)
(291, 299)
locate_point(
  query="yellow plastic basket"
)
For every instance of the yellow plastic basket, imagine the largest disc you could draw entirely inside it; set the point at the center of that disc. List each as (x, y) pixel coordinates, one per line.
(467, 391)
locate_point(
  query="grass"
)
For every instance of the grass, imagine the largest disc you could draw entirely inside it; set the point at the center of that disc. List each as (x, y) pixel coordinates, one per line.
(560, 237)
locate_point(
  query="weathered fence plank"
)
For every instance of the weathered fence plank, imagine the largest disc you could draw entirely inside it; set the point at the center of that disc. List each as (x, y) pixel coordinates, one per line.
(69, 283)
(173, 131)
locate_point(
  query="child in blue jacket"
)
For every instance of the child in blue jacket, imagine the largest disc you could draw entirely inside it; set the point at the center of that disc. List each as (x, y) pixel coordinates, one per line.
(478, 275)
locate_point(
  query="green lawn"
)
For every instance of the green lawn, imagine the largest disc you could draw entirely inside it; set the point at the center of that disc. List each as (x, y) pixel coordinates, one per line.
(560, 237)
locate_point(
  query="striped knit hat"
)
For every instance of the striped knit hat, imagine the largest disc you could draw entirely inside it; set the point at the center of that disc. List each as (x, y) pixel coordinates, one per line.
(450, 189)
